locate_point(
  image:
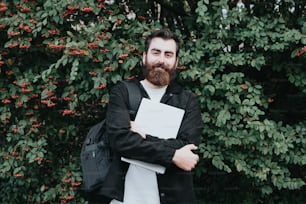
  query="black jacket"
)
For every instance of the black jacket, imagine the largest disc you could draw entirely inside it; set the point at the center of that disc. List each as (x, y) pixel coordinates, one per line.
(176, 185)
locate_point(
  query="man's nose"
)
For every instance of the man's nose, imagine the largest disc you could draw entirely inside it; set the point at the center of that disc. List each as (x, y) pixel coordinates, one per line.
(161, 59)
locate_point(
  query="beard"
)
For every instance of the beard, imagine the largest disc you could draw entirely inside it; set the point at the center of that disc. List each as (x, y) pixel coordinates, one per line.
(158, 74)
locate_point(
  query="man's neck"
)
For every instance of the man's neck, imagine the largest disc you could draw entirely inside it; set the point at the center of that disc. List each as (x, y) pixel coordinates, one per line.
(152, 86)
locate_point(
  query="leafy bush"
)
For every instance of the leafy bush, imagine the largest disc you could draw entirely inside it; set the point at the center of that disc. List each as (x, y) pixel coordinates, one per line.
(59, 59)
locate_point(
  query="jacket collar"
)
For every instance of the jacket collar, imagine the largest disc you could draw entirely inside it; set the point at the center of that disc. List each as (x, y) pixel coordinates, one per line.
(174, 88)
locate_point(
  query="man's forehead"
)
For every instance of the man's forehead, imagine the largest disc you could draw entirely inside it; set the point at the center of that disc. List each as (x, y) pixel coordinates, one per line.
(167, 45)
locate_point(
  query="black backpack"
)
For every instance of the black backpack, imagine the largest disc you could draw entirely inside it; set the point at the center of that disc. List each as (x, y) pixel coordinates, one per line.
(96, 153)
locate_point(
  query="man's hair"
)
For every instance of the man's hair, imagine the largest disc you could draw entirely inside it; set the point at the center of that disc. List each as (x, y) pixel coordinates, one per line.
(165, 34)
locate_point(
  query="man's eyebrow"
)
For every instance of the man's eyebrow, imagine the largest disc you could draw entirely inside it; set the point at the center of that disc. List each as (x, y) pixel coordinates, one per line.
(155, 49)
(169, 52)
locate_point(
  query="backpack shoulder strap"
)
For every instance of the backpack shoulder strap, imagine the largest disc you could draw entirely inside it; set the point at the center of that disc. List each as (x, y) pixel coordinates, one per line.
(134, 96)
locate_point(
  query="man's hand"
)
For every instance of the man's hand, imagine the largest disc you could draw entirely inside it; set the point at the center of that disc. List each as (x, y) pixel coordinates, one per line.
(184, 158)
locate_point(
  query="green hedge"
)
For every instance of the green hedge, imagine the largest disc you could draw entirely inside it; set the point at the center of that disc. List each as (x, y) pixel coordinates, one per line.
(60, 58)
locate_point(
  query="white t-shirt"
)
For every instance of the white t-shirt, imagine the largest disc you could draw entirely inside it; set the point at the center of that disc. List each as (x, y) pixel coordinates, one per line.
(141, 184)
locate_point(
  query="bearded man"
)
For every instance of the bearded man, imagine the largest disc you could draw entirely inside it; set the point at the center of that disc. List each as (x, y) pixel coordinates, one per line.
(131, 184)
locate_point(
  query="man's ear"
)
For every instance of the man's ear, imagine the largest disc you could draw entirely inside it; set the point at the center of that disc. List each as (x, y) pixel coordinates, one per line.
(176, 63)
(144, 54)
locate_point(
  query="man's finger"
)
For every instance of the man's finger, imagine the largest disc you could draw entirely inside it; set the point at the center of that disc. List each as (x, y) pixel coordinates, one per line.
(192, 147)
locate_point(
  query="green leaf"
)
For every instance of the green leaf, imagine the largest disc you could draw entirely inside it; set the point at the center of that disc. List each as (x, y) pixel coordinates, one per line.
(223, 116)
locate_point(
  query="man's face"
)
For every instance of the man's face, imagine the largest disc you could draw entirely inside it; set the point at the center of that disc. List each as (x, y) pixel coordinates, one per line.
(160, 61)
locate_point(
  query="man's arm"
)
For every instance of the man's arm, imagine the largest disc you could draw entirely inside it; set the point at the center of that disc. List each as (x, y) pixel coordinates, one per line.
(183, 158)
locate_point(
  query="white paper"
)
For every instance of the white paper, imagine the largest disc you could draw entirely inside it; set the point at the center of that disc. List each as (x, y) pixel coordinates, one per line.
(159, 120)
(153, 167)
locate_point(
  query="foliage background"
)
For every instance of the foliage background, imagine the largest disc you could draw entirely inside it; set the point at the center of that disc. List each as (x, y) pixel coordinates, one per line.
(246, 63)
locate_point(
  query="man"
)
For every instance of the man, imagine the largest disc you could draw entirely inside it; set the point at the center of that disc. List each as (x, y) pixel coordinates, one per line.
(129, 183)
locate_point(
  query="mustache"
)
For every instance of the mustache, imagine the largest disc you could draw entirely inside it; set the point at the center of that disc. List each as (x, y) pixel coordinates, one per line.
(159, 65)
